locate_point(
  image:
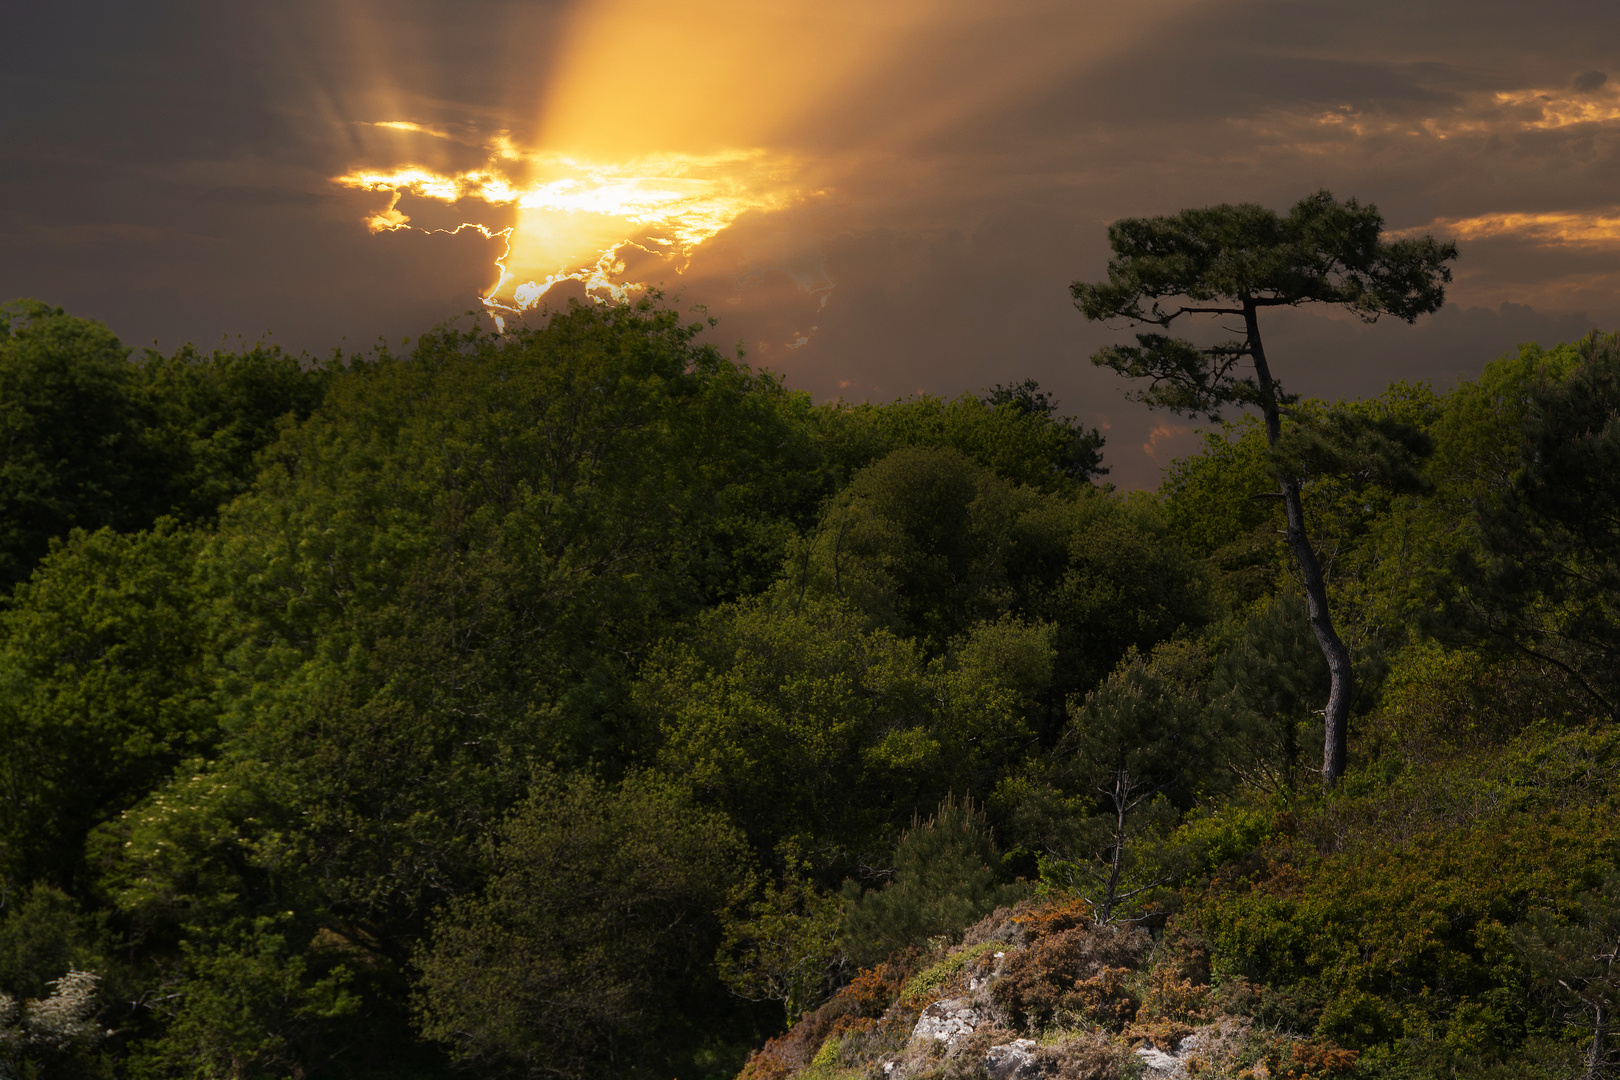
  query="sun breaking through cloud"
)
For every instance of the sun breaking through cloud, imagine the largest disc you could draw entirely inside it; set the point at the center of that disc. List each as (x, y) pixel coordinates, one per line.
(659, 127)
(582, 220)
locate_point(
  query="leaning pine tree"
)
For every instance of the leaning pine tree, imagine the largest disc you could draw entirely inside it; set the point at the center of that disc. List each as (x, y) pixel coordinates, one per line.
(1232, 261)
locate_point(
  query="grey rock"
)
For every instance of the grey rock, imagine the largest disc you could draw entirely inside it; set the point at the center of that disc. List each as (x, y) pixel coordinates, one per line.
(1012, 1061)
(946, 1021)
(1168, 1066)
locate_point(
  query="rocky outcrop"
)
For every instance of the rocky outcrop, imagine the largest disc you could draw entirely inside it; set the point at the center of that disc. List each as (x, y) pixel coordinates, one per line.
(952, 1023)
(1037, 993)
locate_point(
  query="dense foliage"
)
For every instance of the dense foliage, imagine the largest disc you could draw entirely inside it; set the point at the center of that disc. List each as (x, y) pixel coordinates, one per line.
(579, 702)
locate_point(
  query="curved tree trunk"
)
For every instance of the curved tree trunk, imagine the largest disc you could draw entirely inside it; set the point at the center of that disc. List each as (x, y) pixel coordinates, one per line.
(1336, 716)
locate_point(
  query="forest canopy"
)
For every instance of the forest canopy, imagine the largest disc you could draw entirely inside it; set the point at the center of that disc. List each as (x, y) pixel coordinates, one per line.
(582, 702)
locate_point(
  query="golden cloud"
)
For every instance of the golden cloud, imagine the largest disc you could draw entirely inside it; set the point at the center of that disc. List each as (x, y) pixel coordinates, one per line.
(1561, 229)
(576, 219)
(1546, 110)
(1476, 119)
(1506, 112)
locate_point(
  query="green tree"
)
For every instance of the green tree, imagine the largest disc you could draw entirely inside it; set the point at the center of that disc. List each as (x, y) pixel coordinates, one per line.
(252, 1004)
(1577, 962)
(1110, 575)
(54, 1036)
(1130, 743)
(921, 541)
(246, 967)
(450, 572)
(593, 937)
(928, 543)
(1081, 458)
(1217, 500)
(781, 942)
(102, 664)
(800, 719)
(43, 933)
(1015, 431)
(1234, 261)
(1265, 685)
(1361, 469)
(206, 416)
(69, 440)
(1547, 581)
(1480, 430)
(446, 576)
(90, 438)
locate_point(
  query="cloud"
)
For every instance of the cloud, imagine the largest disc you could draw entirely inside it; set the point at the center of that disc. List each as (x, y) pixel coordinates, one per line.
(608, 225)
(1161, 437)
(1555, 229)
(901, 192)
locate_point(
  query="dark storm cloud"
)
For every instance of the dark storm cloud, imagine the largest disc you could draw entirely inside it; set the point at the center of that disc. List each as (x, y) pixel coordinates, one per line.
(167, 168)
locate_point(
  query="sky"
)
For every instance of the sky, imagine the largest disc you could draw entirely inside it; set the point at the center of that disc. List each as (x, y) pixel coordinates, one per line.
(875, 200)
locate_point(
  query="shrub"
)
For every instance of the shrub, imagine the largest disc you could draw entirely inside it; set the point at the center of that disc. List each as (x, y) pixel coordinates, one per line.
(594, 931)
(786, 948)
(925, 986)
(1080, 970)
(51, 1036)
(946, 877)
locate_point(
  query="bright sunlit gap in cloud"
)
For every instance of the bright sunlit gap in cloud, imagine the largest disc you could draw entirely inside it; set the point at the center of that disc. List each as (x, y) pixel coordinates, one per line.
(587, 221)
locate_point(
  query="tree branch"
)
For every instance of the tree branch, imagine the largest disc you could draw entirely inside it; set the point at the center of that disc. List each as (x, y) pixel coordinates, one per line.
(1206, 311)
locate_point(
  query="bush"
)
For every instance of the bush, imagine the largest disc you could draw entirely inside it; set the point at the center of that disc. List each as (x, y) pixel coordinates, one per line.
(785, 947)
(45, 931)
(51, 1036)
(593, 937)
(1078, 970)
(947, 876)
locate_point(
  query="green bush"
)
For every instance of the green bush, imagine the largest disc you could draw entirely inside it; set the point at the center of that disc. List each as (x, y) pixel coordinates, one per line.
(947, 876)
(593, 937)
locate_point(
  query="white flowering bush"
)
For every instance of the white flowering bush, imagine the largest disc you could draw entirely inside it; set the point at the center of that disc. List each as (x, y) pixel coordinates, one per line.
(60, 1023)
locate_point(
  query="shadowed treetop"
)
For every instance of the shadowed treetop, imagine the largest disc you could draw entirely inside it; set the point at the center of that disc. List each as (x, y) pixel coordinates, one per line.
(1324, 250)
(1234, 260)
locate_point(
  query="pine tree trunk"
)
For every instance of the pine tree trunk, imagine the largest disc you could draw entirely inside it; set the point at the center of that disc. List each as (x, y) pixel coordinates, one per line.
(1340, 674)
